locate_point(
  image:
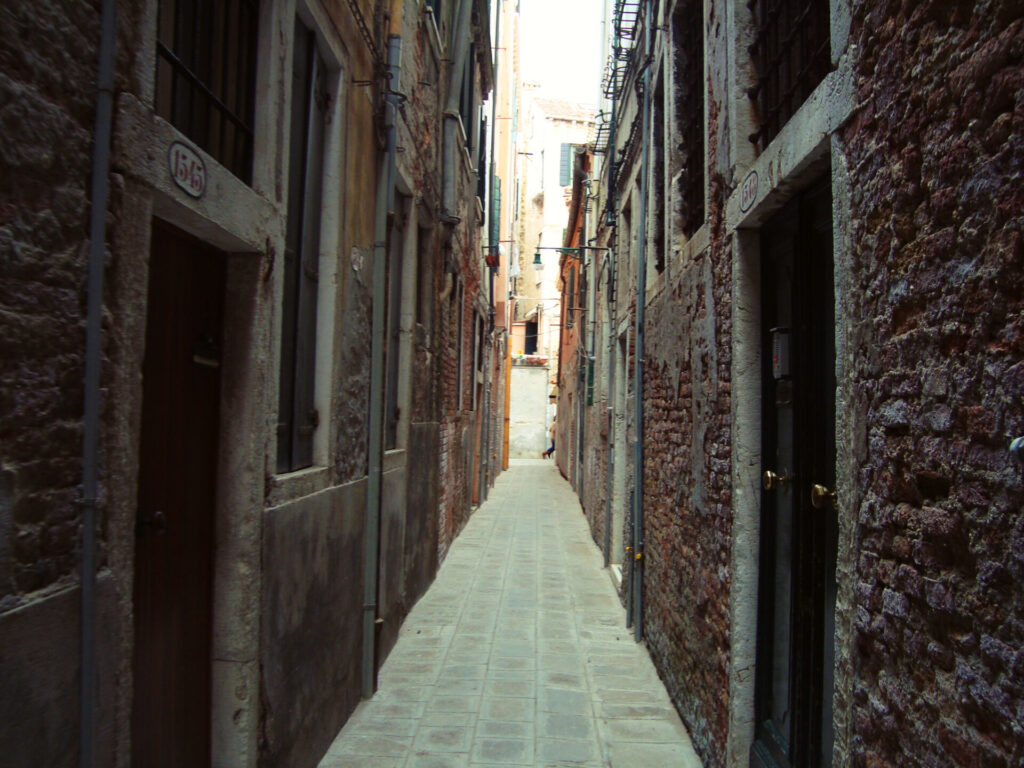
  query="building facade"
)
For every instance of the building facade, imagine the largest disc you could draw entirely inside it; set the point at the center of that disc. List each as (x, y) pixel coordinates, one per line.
(550, 132)
(812, 328)
(282, 296)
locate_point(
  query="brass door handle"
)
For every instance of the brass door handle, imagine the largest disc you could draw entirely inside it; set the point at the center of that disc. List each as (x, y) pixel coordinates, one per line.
(771, 481)
(822, 497)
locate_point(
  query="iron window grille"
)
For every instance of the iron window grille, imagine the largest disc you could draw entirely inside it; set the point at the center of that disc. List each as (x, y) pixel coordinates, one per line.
(688, 31)
(792, 54)
(206, 73)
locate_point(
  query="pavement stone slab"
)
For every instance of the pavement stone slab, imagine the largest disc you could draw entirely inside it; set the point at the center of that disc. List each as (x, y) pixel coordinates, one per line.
(518, 654)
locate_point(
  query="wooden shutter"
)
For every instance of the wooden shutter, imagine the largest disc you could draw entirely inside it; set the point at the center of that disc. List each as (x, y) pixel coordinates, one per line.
(565, 166)
(297, 417)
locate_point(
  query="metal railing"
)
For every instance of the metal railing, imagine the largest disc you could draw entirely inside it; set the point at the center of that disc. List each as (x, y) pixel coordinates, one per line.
(206, 73)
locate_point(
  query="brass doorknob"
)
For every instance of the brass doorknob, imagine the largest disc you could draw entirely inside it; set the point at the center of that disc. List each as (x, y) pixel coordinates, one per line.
(822, 497)
(772, 481)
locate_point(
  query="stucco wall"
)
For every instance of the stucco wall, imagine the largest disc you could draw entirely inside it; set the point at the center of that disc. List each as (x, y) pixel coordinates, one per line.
(528, 423)
(310, 646)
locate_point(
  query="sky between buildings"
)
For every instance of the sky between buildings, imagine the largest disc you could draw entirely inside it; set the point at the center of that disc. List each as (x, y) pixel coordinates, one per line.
(561, 47)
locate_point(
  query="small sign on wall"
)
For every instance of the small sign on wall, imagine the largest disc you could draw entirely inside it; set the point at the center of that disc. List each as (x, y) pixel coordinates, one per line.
(748, 192)
(187, 169)
(780, 353)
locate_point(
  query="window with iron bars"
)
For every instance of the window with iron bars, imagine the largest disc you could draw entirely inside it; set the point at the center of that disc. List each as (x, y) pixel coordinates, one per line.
(792, 54)
(205, 76)
(688, 51)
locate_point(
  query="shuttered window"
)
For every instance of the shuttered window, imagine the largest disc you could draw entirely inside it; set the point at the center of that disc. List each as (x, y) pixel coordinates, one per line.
(565, 166)
(396, 245)
(570, 297)
(297, 416)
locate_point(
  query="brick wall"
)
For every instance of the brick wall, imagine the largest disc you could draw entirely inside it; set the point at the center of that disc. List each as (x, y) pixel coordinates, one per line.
(936, 152)
(687, 495)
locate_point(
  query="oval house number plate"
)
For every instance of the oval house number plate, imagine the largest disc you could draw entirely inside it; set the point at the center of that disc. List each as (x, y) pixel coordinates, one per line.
(187, 169)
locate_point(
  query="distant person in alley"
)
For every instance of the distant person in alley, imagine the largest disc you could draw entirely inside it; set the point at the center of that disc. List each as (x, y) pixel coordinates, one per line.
(551, 431)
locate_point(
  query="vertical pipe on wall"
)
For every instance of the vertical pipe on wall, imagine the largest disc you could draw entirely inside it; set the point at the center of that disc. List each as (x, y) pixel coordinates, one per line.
(611, 365)
(612, 317)
(494, 223)
(91, 385)
(385, 200)
(638, 361)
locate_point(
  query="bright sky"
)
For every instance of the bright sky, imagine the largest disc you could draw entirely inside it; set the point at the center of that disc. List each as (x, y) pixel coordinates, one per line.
(561, 47)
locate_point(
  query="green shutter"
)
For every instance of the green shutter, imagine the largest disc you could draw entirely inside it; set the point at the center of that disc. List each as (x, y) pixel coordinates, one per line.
(565, 166)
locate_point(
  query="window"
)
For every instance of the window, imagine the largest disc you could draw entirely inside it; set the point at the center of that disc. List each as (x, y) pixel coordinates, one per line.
(570, 297)
(468, 109)
(658, 177)
(688, 34)
(425, 279)
(530, 344)
(565, 166)
(481, 166)
(396, 257)
(581, 291)
(297, 416)
(792, 54)
(478, 359)
(205, 76)
(458, 296)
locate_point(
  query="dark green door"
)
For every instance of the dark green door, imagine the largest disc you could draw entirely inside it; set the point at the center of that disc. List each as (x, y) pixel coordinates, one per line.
(796, 614)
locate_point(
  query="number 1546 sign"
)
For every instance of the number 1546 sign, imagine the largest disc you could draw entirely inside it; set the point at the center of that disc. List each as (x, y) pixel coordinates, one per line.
(187, 169)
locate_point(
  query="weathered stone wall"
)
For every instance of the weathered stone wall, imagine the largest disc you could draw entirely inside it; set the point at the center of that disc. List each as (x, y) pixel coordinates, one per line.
(48, 67)
(47, 103)
(936, 158)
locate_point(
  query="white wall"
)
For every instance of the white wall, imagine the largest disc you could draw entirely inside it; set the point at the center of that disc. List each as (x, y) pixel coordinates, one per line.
(528, 412)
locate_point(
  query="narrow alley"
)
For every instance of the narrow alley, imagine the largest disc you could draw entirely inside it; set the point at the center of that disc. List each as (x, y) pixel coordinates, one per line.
(295, 295)
(518, 653)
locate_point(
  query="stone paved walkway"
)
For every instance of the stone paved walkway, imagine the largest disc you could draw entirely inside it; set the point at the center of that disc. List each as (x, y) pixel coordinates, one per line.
(518, 654)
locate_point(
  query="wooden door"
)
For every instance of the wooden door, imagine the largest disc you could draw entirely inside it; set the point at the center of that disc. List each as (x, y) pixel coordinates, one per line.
(796, 617)
(176, 504)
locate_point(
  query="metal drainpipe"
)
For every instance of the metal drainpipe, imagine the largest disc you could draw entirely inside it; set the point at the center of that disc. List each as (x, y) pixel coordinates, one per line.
(385, 200)
(638, 362)
(495, 225)
(609, 479)
(613, 330)
(91, 406)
